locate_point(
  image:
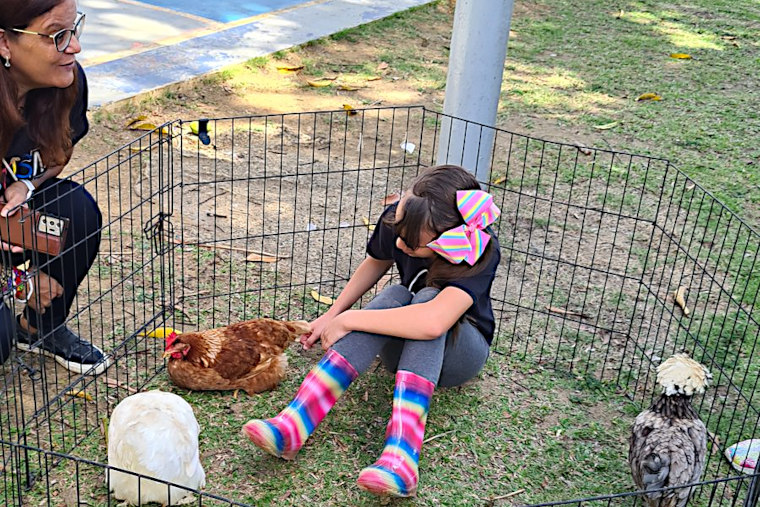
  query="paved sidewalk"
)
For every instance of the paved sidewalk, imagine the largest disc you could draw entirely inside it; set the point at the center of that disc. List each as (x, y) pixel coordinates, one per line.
(131, 47)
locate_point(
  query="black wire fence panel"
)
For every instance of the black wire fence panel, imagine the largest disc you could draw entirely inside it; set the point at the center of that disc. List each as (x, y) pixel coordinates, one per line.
(44, 404)
(90, 485)
(271, 215)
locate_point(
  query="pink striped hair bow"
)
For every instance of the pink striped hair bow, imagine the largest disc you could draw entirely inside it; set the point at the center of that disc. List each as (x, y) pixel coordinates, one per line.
(467, 242)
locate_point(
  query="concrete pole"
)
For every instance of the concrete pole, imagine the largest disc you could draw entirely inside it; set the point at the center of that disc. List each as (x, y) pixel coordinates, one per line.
(476, 66)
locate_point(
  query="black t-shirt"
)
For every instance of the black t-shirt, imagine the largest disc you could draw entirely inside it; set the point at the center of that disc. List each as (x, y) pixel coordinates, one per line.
(22, 149)
(382, 246)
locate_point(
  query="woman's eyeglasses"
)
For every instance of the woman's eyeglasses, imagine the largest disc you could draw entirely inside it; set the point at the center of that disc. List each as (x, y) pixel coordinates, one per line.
(61, 38)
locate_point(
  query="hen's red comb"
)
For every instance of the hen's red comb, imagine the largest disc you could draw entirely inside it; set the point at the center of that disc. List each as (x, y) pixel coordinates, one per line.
(170, 339)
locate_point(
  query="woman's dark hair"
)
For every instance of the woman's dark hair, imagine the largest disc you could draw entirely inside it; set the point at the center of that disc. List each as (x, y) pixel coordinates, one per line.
(431, 205)
(47, 109)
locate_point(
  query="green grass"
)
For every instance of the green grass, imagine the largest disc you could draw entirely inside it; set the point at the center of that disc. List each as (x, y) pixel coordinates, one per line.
(500, 438)
(258, 62)
(587, 70)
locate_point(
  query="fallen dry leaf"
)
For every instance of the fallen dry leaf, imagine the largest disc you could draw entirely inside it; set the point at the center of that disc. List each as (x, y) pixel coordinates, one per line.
(680, 56)
(141, 126)
(649, 96)
(569, 313)
(322, 83)
(369, 225)
(349, 88)
(731, 39)
(606, 126)
(110, 382)
(508, 495)
(134, 120)
(320, 298)
(80, 394)
(499, 180)
(257, 257)
(148, 127)
(288, 69)
(583, 149)
(374, 78)
(680, 298)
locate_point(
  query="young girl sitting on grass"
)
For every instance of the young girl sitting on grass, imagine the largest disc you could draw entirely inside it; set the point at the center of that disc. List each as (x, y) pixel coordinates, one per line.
(433, 329)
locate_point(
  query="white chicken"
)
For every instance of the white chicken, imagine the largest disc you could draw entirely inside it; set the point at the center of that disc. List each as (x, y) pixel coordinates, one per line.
(154, 434)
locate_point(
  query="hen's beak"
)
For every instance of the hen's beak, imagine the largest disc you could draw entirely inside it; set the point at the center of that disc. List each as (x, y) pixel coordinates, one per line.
(171, 350)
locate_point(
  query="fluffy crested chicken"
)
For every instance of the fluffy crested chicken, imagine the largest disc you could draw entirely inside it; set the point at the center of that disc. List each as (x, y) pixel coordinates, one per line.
(247, 355)
(154, 434)
(668, 441)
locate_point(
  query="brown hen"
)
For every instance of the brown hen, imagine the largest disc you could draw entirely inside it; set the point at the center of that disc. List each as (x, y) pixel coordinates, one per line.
(247, 355)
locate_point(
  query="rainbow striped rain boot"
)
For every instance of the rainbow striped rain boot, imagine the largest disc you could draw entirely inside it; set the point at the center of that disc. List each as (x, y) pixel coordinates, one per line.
(396, 472)
(285, 434)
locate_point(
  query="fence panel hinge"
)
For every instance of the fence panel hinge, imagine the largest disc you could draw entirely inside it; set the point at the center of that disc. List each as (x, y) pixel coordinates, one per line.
(160, 230)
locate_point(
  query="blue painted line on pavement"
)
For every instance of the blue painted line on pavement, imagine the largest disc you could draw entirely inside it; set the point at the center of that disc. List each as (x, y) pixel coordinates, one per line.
(225, 11)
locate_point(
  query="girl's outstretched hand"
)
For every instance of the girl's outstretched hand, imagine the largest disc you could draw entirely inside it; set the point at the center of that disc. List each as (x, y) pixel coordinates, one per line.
(335, 330)
(317, 327)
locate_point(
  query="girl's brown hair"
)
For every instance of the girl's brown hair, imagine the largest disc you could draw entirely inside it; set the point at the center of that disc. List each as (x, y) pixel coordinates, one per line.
(47, 110)
(431, 205)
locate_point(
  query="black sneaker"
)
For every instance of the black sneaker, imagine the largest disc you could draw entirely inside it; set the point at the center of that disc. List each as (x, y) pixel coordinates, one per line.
(68, 349)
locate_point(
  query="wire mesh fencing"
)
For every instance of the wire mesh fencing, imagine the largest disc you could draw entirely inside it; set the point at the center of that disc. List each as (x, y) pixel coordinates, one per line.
(269, 216)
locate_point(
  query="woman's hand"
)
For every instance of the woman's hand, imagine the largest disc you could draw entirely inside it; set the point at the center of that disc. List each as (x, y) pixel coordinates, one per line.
(317, 327)
(335, 330)
(15, 195)
(46, 289)
(12, 248)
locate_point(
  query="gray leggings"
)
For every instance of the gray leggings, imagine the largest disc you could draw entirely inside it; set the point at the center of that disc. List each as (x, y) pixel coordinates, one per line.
(444, 361)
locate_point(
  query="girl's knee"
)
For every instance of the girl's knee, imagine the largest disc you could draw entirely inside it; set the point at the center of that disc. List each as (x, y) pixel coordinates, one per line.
(460, 368)
(393, 296)
(425, 295)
